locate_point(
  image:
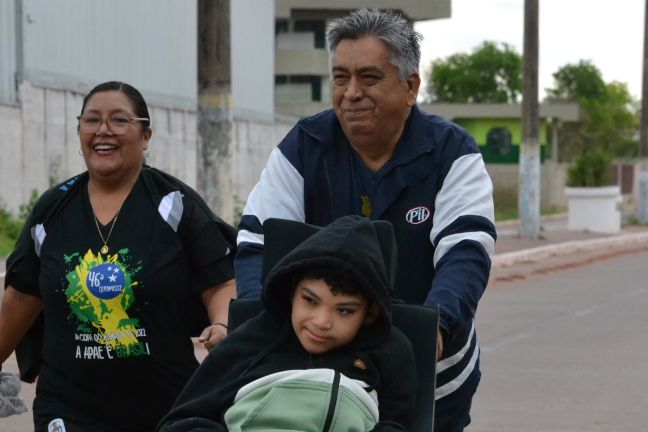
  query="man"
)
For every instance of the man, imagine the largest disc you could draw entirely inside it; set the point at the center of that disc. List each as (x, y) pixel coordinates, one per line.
(376, 154)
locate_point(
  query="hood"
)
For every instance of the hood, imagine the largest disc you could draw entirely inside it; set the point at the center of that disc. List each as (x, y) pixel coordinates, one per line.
(351, 243)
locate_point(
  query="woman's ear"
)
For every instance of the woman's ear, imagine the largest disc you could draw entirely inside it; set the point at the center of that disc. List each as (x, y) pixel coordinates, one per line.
(372, 314)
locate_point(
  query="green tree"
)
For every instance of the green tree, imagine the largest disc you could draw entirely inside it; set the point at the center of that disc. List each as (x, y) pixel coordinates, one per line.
(609, 113)
(492, 73)
(577, 81)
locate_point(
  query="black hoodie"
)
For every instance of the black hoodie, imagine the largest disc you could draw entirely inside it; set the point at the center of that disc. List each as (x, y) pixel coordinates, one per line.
(267, 343)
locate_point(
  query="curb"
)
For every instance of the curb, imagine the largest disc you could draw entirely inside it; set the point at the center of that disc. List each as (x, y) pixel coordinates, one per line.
(514, 222)
(569, 247)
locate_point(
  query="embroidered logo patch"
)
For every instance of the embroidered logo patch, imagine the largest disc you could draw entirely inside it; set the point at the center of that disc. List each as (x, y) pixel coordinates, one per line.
(105, 281)
(417, 215)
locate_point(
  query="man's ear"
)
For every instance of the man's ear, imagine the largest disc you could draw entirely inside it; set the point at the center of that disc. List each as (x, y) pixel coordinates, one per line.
(413, 84)
(372, 314)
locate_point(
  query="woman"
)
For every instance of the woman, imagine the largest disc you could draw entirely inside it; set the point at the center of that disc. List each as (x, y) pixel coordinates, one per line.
(114, 258)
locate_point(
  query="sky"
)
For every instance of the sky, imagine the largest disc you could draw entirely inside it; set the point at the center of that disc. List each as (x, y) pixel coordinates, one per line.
(609, 33)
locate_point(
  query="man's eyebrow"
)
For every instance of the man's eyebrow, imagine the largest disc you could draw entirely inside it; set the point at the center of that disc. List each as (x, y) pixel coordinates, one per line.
(373, 69)
(365, 69)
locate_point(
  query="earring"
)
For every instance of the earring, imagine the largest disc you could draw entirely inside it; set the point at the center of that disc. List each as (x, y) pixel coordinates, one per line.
(80, 152)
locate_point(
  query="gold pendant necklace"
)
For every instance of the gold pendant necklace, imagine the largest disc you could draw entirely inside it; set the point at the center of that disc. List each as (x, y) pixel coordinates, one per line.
(104, 248)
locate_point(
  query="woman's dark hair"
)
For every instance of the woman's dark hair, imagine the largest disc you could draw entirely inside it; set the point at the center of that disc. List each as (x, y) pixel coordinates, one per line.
(135, 97)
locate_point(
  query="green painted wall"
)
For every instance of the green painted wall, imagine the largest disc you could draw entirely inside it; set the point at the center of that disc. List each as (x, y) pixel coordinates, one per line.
(479, 129)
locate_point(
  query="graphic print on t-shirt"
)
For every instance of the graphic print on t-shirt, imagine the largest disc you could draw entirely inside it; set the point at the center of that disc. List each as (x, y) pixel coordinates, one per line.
(100, 294)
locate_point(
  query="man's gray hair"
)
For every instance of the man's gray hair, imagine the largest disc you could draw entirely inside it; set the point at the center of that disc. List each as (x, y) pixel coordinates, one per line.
(390, 27)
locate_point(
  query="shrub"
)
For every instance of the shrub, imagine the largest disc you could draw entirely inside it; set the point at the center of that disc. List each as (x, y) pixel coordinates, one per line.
(9, 231)
(590, 169)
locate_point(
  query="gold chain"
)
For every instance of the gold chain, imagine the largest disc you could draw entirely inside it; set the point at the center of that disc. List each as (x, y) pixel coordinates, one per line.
(104, 249)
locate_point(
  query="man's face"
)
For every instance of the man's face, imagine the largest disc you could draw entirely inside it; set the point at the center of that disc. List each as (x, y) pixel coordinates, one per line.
(324, 321)
(369, 98)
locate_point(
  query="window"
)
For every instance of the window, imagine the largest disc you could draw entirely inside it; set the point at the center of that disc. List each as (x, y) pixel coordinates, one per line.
(281, 26)
(315, 26)
(499, 141)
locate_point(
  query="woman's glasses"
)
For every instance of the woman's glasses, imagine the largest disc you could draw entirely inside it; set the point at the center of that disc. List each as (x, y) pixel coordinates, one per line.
(117, 125)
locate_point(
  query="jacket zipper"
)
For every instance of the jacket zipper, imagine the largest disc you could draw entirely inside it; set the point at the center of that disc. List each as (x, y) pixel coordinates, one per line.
(332, 402)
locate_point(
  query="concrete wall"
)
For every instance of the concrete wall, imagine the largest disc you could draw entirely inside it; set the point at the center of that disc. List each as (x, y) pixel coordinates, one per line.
(252, 144)
(552, 182)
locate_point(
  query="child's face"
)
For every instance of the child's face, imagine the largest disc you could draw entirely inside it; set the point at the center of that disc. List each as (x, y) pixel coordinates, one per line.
(324, 321)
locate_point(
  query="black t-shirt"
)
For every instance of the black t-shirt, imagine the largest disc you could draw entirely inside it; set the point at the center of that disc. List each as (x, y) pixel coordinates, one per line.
(117, 347)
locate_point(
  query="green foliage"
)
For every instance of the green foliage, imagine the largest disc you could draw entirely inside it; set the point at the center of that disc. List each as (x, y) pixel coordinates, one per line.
(11, 226)
(591, 169)
(577, 81)
(609, 116)
(9, 230)
(26, 208)
(492, 73)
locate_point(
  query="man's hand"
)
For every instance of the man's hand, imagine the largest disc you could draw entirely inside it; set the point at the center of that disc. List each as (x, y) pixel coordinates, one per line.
(439, 345)
(213, 335)
(10, 402)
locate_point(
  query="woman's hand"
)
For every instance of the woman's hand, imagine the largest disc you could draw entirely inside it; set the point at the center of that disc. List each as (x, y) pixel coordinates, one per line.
(10, 401)
(213, 335)
(216, 300)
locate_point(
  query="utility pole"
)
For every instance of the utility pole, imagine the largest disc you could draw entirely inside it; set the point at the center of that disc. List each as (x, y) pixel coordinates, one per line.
(529, 174)
(214, 107)
(642, 202)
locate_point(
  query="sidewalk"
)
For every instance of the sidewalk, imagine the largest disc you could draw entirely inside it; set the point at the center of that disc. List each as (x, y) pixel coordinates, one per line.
(556, 240)
(557, 248)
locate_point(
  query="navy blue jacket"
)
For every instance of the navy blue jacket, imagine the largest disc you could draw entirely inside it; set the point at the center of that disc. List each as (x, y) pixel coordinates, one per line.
(434, 190)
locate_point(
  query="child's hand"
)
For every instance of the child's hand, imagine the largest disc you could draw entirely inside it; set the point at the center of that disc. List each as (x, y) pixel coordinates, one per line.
(213, 335)
(439, 349)
(10, 402)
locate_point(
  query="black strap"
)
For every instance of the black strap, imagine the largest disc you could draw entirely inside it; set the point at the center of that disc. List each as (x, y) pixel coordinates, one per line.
(333, 401)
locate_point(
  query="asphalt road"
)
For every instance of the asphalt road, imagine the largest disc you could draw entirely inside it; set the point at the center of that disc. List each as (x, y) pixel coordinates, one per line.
(565, 350)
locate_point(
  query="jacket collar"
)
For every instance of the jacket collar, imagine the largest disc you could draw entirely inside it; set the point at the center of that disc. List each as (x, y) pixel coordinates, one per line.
(326, 128)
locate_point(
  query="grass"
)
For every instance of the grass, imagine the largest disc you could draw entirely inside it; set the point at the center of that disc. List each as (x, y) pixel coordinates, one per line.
(10, 226)
(9, 230)
(506, 205)
(511, 213)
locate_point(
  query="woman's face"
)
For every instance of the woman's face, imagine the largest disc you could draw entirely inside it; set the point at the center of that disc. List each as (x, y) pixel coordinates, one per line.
(105, 153)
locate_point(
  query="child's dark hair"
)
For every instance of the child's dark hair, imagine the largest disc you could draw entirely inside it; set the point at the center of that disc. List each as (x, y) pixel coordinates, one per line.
(340, 280)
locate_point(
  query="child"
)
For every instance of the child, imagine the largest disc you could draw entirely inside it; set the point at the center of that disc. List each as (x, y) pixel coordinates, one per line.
(323, 354)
